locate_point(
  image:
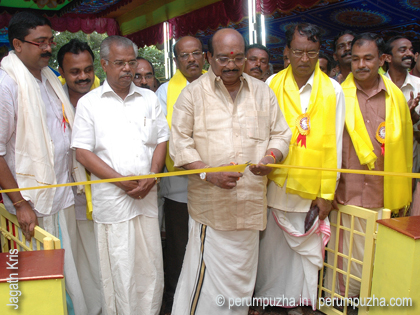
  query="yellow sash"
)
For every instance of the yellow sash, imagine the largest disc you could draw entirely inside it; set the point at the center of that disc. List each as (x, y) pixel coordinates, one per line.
(398, 140)
(175, 86)
(320, 150)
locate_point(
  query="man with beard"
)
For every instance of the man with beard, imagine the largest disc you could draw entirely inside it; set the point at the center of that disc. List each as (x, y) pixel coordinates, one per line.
(36, 120)
(375, 107)
(257, 63)
(145, 74)
(342, 54)
(75, 61)
(224, 117)
(291, 254)
(120, 130)
(189, 59)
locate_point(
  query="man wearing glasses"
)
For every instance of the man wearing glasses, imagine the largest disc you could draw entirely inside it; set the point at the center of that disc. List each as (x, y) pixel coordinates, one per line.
(120, 131)
(224, 117)
(290, 252)
(36, 119)
(189, 59)
(145, 74)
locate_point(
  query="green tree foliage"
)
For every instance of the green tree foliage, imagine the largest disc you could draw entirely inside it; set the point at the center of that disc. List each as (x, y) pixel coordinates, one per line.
(94, 40)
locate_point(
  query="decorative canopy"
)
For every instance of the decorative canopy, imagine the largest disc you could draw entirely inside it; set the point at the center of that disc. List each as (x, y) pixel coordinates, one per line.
(142, 20)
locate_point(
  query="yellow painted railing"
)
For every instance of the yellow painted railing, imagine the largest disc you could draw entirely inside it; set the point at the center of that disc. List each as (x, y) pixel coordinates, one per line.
(12, 234)
(353, 267)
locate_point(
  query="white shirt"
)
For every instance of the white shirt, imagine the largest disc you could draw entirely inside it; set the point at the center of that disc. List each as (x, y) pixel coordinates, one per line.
(412, 84)
(63, 197)
(175, 187)
(124, 134)
(276, 195)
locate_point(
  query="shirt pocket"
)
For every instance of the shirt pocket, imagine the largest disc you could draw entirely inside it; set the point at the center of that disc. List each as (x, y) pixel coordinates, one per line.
(257, 125)
(149, 134)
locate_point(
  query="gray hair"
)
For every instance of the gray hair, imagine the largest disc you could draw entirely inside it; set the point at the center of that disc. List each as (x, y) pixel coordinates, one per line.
(117, 40)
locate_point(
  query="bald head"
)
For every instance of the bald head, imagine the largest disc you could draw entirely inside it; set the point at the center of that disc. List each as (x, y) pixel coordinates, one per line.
(189, 57)
(227, 55)
(225, 34)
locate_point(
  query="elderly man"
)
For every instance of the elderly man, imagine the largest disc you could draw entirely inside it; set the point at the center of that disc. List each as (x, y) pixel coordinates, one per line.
(189, 58)
(145, 74)
(374, 107)
(119, 131)
(291, 253)
(75, 61)
(224, 117)
(257, 61)
(342, 54)
(35, 129)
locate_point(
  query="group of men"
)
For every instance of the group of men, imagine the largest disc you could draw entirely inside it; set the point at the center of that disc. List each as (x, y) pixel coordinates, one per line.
(228, 115)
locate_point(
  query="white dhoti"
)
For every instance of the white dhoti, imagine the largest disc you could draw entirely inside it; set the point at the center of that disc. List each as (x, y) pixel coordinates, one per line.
(88, 266)
(63, 226)
(131, 266)
(218, 266)
(343, 247)
(290, 259)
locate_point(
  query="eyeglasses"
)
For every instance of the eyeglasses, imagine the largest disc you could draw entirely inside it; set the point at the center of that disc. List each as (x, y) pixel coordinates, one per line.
(299, 53)
(121, 64)
(148, 77)
(224, 61)
(42, 46)
(196, 55)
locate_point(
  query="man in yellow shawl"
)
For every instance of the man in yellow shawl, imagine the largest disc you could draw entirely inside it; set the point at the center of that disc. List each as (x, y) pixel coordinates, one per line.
(379, 136)
(313, 105)
(189, 59)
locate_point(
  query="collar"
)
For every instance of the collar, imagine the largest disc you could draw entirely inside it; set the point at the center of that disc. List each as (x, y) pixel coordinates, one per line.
(381, 86)
(408, 79)
(310, 82)
(106, 88)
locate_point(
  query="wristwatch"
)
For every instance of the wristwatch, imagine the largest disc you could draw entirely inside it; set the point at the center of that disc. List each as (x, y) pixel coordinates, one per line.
(157, 179)
(203, 176)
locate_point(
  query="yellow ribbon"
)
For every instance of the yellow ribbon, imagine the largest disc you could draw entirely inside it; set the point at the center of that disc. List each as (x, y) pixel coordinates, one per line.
(230, 168)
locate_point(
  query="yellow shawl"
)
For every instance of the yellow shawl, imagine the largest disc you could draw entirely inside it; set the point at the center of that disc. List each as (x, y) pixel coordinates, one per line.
(175, 86)
(398, 140)
(320, 150)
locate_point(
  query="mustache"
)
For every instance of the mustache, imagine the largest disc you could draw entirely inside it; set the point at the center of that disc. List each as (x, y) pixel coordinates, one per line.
(145, 86)
(408, 57)
(83, 81)
(256, 68)
(46, 54)
(233, 70)
(347, 53)
(126, 74)
(362, 70)
(192, 65)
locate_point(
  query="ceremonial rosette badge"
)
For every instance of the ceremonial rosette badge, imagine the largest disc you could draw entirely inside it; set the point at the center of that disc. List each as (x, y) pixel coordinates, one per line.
(380, 136)
(303, 124)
